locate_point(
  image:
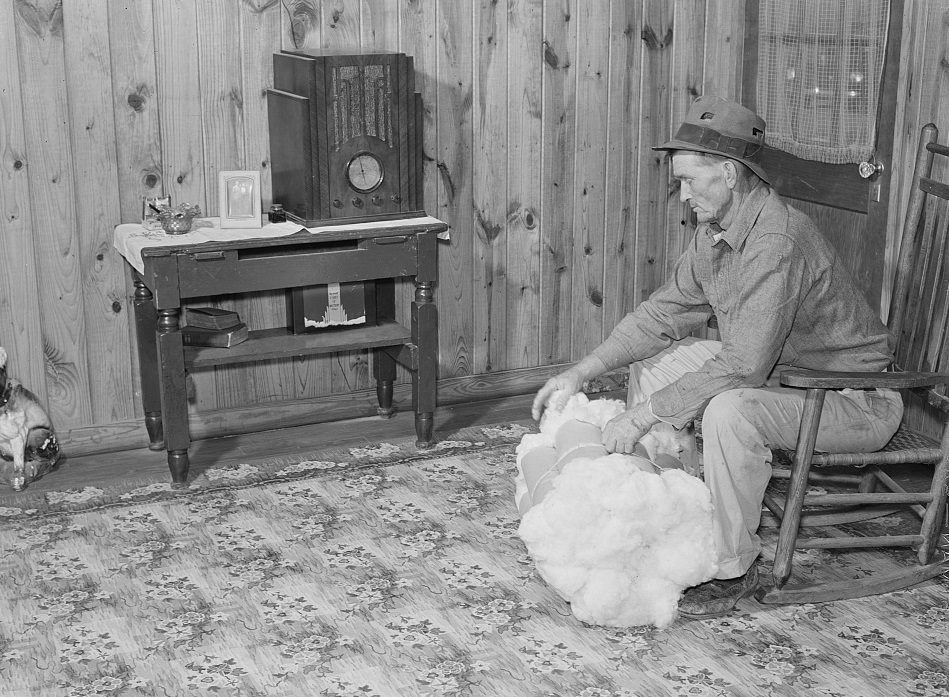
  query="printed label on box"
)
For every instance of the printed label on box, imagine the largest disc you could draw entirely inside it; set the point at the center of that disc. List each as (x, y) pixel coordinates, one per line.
(333, 305)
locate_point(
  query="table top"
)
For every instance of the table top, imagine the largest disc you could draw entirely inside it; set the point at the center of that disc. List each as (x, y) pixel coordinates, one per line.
(135, 242)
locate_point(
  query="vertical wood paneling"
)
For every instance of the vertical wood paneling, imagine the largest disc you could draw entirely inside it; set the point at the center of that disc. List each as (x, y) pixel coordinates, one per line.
(381, 31)
(95, 162)
(417, 22)
(181, 124)
(179, 101)
(453, 132)
(525, 76)
(134, 98)
(222, 126)
(20, 324)
(137, 140)
(342, 29)
(724, 47)
(539, 120)
(302, 28)
(259, 39)
(924, 98)
(557, 178)
(590, 187)
(222, 111)
(656, 127)
(686, 80)
(380, 25)
(622, 193)
(39, 36)
(490, 184)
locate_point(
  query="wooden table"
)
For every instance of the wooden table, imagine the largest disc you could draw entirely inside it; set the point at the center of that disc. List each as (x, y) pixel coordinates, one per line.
(175, 273)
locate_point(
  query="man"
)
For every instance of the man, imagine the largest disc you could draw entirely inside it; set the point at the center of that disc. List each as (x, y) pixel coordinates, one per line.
(782, 298)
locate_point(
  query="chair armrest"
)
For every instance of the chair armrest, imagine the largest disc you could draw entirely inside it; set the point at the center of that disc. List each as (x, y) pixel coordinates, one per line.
(838, 380)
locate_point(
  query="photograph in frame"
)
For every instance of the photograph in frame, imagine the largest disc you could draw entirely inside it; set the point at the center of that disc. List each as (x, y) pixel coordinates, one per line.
(239, 199)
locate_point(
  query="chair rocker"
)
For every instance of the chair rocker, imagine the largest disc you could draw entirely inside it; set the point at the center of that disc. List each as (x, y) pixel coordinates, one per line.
(918, 318)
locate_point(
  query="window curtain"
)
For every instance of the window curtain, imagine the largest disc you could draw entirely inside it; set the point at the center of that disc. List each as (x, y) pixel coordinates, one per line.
(820, 64)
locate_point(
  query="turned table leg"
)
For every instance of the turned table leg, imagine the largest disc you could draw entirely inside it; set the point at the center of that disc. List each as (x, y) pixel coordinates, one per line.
(383, 369)
(425, 337)
(174, 399)
(146, 327)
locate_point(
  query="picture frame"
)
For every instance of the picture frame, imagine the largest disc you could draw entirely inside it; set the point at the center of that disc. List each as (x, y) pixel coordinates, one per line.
(239, 201)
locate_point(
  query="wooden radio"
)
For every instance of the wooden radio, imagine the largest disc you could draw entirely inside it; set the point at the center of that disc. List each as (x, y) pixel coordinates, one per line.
(345, 136)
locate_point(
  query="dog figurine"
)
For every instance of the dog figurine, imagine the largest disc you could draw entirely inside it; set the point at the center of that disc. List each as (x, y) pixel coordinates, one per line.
(26, 435)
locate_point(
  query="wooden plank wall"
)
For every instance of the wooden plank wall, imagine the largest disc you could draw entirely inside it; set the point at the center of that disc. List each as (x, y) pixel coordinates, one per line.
(539, 117)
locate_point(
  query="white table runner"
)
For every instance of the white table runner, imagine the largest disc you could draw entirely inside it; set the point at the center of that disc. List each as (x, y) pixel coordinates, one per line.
(131, 238)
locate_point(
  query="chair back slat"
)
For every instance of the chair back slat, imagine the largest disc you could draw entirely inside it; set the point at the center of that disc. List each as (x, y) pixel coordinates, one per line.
(926, 218)
(935, 320)
(914, 211)
(937, 358)
(915, 326)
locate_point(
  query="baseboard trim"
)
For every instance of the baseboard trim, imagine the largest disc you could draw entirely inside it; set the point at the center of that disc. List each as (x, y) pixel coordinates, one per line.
(128, 435)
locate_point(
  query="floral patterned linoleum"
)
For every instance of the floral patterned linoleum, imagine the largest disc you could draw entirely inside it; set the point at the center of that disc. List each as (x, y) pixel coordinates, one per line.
(390, 572)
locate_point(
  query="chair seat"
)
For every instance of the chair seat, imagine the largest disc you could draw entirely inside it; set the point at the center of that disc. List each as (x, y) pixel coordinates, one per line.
(905, 440)
(906, 446)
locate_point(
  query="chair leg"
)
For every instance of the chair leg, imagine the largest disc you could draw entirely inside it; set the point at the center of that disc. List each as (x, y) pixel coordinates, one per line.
(934, 517)
(797, 487)
(868, 483)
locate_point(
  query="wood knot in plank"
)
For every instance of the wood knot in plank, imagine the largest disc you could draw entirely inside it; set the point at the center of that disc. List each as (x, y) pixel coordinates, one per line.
(651, 39)
(445, 175)
(40, 22)
(550, 56)
(491, 230)
(260, 6)
(303, 15)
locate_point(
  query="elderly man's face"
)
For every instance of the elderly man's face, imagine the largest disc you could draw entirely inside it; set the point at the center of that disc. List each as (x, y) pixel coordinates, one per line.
(702, 184)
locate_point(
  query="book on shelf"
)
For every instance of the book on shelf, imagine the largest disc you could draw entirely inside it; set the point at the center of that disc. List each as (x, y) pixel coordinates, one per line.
(211, 318)
(219, 338)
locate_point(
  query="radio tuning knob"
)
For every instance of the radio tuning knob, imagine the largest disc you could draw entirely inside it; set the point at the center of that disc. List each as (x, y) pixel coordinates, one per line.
(377, 200)
(396, 198)
(337, 203)
(357, 202)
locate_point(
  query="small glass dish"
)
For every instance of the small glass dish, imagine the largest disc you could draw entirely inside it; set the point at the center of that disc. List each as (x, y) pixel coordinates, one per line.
(177, 220)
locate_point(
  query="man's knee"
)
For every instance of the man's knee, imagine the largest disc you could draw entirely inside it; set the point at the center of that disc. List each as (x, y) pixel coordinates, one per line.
(725, 408)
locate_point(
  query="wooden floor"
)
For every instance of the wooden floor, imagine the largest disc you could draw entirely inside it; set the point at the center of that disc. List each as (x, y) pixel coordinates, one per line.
(106, 469)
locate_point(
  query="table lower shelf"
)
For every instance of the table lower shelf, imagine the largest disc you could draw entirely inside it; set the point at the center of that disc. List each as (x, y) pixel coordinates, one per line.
(266, 344)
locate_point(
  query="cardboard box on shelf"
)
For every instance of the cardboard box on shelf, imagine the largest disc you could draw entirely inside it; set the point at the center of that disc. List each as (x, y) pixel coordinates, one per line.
(330, 305)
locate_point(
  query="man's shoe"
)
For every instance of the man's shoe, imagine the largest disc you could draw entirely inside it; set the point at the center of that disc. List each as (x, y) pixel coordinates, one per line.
(717, 597)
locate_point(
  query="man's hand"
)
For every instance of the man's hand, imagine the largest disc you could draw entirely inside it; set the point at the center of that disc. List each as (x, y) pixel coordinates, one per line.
(556, 391)
(622, 433)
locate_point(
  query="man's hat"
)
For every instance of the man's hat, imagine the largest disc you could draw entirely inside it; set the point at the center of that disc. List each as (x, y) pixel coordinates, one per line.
(718, 126)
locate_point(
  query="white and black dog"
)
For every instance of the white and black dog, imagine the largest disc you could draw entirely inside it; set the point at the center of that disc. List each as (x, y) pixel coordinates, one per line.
(26, 434)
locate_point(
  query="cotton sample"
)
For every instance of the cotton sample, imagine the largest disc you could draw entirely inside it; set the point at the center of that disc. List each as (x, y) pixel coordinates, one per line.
(615, 536)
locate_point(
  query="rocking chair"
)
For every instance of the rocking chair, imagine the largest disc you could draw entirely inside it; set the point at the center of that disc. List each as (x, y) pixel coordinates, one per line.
(919, 319)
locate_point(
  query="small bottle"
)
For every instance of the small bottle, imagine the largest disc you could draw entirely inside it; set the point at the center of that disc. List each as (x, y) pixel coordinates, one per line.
(277, 214)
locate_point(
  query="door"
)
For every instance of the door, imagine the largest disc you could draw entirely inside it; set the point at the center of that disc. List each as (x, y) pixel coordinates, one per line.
(847, 201)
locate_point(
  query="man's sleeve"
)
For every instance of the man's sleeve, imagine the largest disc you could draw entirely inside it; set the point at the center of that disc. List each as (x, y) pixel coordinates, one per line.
(672, 312)
(772, 276)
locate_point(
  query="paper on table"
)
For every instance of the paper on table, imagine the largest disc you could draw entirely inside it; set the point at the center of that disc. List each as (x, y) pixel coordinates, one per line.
(131, 238)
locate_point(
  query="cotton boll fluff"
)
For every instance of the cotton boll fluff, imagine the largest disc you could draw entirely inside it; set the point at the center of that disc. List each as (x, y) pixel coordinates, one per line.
(613, 535)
